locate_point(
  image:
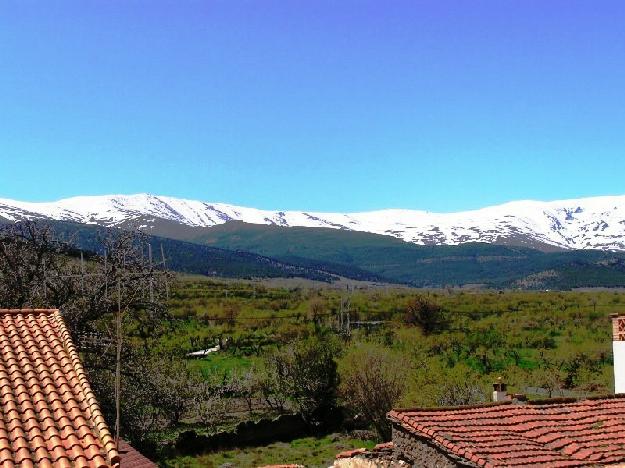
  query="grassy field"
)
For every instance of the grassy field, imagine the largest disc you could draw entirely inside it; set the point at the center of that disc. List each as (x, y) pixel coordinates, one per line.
(308, 451)
(489, 332)
(221, 363)
(549, 343)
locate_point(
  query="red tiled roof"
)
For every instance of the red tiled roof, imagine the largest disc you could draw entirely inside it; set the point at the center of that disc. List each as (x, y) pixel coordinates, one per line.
(580, 433)
(378, 449)
(351, 453)
(49, 415)
(130, 458)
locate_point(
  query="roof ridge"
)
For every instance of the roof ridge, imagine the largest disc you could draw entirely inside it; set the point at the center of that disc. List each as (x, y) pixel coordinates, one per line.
(434, 409)
(542, 402)
(28, 310)
(568, 400)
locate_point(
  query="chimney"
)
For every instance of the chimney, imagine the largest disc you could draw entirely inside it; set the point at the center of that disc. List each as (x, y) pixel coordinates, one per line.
(500, 392)
(618, 346)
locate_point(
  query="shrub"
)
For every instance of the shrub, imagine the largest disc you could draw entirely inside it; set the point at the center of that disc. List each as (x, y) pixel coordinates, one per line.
(373, 379)
(426, 314)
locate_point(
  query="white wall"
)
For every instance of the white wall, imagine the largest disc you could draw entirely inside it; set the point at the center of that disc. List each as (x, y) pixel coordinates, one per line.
(619, 366)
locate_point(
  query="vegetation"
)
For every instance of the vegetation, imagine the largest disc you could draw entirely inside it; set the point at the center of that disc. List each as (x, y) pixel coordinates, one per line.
(240, 250)
(373, 380)
(542, 343)
(305, 373)
(341, 358)
(308, 451)
(194, 258)
(337, 251)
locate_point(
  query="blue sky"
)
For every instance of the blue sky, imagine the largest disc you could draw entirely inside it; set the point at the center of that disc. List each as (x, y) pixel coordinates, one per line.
(316, 105)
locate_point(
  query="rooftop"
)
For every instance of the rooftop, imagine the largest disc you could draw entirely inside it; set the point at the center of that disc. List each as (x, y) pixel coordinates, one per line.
(561, 433)
(129, 457)
(49, 414)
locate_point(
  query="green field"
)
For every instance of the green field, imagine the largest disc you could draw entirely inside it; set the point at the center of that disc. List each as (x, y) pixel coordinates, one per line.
(542, 343)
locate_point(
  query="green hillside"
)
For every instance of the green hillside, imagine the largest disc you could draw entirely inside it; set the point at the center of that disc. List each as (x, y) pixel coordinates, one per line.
(195, 258)
(399, 261)
(241, 250)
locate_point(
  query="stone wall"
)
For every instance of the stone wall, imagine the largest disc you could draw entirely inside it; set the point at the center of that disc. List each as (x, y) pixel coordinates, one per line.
(265, 431)
(420, 452)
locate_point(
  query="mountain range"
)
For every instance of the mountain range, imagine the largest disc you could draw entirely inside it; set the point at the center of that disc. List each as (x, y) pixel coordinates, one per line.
(533, 245)
(585, 223)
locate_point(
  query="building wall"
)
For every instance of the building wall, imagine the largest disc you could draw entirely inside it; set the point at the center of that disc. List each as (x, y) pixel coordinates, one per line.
(619, 366)
(420, 452)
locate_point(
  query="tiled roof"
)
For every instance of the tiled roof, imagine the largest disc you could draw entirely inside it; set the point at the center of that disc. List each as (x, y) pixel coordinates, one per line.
(378, 449)
(130, 458)
(578, 433)
(49, 415)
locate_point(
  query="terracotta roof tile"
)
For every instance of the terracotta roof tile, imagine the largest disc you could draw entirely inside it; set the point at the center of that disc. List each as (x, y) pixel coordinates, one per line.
(130, 458)
(49, 415)
(351, 453)
(567, 433)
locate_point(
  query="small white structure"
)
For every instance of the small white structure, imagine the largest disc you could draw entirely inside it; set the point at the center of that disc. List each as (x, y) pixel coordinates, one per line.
(204, 352)
(500, 390)
(618, 346)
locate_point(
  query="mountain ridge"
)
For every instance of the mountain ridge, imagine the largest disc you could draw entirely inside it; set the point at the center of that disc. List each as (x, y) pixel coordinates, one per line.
(583, 223)
(240, 250)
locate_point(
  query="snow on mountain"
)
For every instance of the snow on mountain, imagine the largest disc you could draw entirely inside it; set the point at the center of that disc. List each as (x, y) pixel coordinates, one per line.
(587, 223)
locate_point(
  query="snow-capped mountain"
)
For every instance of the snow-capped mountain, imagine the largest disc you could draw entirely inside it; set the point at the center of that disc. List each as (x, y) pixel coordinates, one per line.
(587, 223)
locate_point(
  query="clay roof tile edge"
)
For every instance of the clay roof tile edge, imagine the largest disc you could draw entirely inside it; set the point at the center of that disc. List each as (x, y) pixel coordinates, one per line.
(96, 413)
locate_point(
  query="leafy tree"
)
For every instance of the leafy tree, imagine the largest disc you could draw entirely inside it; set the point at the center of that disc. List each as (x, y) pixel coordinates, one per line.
(373, 380)
(306, 374)
(425, 313)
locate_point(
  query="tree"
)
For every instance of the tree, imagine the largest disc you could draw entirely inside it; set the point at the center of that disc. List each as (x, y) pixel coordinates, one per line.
(32, 264)
(306, 374)
(156, 392)
(548, 378)
(426, 314)
(459, 393)
(247, 385)
(39, 268)
(373, 380)
(210, 406)
(316, 309)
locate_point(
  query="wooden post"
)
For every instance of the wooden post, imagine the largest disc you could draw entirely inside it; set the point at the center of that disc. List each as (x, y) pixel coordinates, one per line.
(118, 362)
(151, 275)
(45, 280)
(106, 277)
(349, 331)
(82, 274)
(165, 269)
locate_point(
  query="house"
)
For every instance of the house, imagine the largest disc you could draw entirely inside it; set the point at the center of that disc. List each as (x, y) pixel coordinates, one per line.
(554, 433)
(49, 415)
